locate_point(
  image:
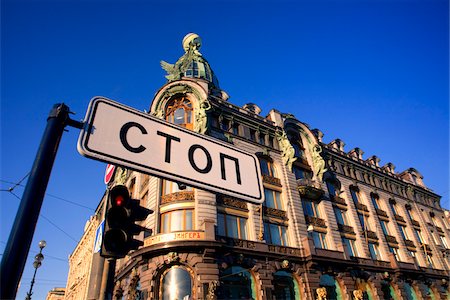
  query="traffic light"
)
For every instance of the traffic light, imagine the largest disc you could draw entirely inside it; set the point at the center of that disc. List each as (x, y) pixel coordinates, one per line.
(120, 216)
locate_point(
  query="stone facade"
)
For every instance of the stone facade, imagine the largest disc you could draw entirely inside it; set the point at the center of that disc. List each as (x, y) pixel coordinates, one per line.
(333, 226)
(56, 294)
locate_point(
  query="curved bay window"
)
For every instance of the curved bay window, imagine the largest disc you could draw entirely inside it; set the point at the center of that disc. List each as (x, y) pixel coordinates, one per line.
(177, 220)
(176, 283)
(179, 111)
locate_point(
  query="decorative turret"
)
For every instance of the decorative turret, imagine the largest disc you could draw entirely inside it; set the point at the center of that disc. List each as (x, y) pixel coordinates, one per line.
(192, 64)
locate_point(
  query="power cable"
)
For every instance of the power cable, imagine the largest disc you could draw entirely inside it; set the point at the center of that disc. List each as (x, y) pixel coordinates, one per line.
(48, 194)
(48, 220)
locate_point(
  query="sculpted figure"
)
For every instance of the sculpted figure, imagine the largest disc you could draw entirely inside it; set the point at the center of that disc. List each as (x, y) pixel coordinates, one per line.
(319, 162)
(121, 175)
(286, 148)
(212, 286)
(321, 293)
(357, 295)
(201, 120)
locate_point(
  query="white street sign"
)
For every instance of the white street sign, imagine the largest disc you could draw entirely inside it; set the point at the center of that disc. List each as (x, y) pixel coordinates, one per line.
(121, 135)
(99, 237)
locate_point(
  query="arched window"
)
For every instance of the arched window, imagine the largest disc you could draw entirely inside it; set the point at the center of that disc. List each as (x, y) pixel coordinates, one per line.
(285, 286)
(236, 283)
(332, 286)
(176, 283)
(179, 111)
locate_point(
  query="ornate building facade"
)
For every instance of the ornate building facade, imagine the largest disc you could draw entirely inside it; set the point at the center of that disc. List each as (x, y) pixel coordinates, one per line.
(333, 225)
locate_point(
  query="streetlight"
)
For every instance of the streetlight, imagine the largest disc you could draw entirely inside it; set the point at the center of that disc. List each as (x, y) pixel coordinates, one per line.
(36, 264)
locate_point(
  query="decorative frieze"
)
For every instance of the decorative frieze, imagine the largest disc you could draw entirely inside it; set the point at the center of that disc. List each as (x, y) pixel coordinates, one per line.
(410, 244)
(415, 223)
(338, 199)
(361, 207)
(381, 212)
(399, 218)
(233, 202)
(346, 229)
(285, 250)
(179, 196)
(391, 239)
(371, 234)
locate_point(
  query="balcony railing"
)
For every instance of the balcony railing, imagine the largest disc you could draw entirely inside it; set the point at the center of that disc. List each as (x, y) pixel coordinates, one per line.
(346, 229)
(361, 206)
(381, 212)
(310, 188)
(273, 212)
(399, 218)
(391, 239)
(338, 199)
(371, 234)
(179, 196)
(315, 221)
(410, 244)
(271, 180)
(232, 202)
(415, 223)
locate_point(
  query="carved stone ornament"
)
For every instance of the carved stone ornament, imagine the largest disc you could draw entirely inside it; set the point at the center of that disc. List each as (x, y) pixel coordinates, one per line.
(212, 286)
(358, 295)
(318, 162)
(121, 176)
(288, 155)
(118, 291)
(321, 293)
(201, 119)
(133, 292)
(191, 45)
(172, 256)
(285, 264)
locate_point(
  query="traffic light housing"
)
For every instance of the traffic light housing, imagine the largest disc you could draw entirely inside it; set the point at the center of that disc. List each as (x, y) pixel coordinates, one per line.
(120, 216)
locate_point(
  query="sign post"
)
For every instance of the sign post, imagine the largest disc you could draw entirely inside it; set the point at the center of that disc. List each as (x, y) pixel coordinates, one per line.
(124, 136)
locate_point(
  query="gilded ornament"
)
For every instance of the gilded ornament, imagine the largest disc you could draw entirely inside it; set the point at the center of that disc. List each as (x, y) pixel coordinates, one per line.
(321, 293)
(201, 119)
(288, 155)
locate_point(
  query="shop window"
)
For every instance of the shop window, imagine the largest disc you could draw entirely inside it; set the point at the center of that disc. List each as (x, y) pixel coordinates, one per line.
(275, 234)
(285, 286)
(319, 239)
(232, 226)
(272, 199)
(310, 208)
(176, 283)
(267, 167)
(177, 220)
(179, 111)
(236, 283)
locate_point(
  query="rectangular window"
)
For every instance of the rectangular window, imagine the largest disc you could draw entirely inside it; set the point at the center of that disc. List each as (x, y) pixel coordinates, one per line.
(235, 129)
(270, 141)
(310, 208)
(273, 199)
(232, 226)
(419, 236)
(385, 227)
(374, 252)
(331, 188)
(262, 138)
(393, 208)
(395, 252)
(430, 261)
(275, 234)
(362, 220)
(350, 247)
(355, 196)
(253, 135)
(403, 232)
(444, 241)
(341, 217)
(225, 125)
(319, 239)
(375, 201)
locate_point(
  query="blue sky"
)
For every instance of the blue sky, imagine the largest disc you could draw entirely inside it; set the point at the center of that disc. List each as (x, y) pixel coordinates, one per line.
(372, 73)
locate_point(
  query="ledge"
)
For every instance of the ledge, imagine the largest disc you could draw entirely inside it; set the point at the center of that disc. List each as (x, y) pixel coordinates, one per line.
(310, 189)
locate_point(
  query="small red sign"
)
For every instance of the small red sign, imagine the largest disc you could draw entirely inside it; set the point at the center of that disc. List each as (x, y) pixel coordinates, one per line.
(109, 173)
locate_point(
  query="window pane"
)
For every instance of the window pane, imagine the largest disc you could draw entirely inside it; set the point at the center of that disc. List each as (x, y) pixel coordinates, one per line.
(221, 225)
(176, 222)
(331, 189)
(348, 246)
(354, 196)
(308, 208)
(278, 200)
(165, 223)
(232, 228)
(189, 223)
(179, 116)
(243, 228)
(275, 234)
(339, 216)
(176, 284)
(270, 202)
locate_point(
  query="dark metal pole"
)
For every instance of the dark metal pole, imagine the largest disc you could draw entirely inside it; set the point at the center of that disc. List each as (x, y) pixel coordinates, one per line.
(107, 287)
(16, 251)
